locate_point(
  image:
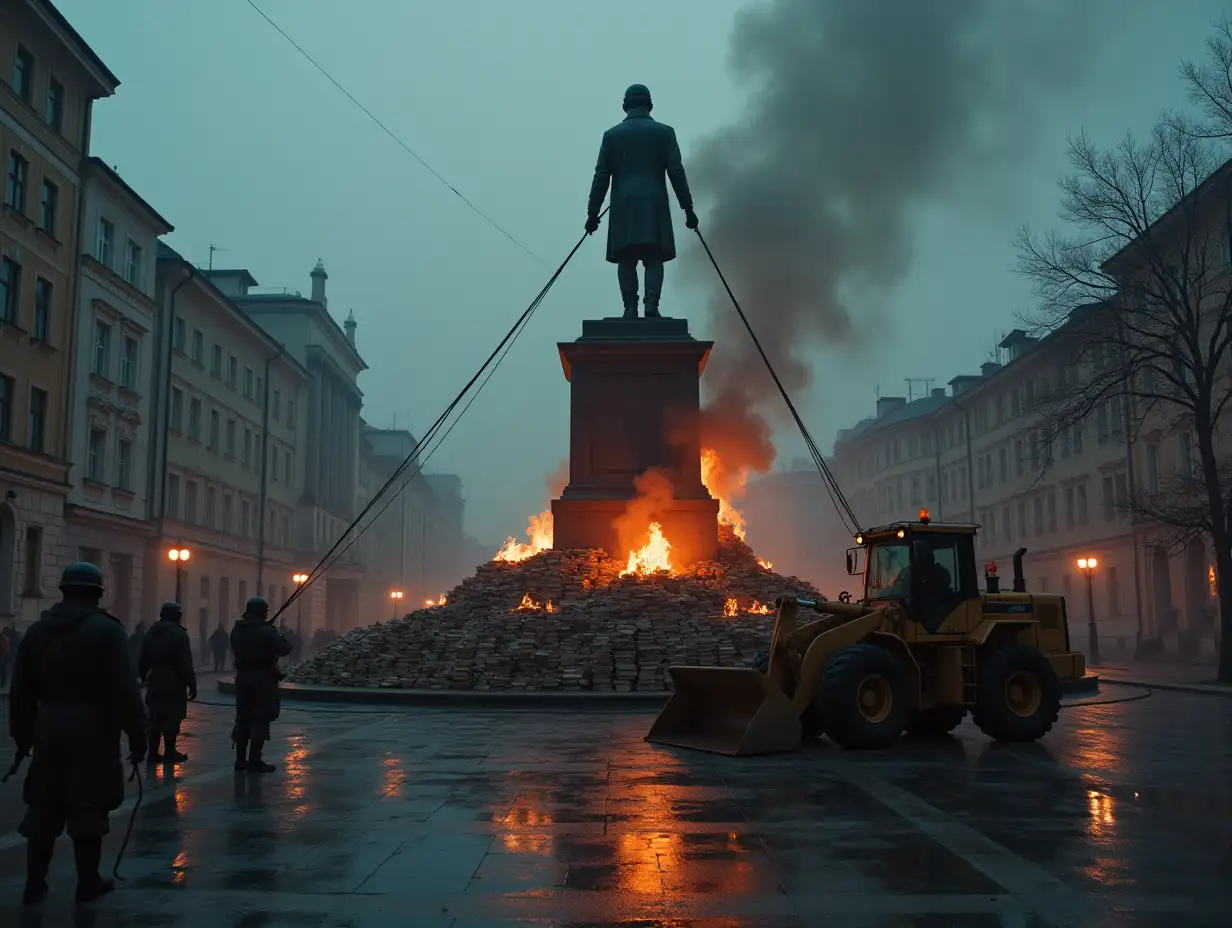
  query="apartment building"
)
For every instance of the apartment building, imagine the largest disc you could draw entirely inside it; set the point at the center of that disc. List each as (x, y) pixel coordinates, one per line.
(331, 421)
(230, 408)
(49, 80)
(980, 453)
(108, 508)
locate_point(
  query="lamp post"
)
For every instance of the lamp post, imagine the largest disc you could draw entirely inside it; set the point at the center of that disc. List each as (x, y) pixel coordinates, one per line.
(179, 557)
(396, 597)
(299, 580)
(1087, 565)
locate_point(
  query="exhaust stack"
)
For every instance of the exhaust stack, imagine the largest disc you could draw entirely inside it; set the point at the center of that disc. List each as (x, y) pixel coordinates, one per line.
(1020, 585)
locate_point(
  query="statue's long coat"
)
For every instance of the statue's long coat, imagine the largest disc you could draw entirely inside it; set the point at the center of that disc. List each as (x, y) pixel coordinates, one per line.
(638, 156)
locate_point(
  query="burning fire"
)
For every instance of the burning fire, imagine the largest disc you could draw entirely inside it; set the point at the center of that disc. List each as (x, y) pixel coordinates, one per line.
(758, 609)
(431, 603)
(730, 606)
(723, 486)
(538, 530)
(652, 557)
(528, 604)
(764, 564)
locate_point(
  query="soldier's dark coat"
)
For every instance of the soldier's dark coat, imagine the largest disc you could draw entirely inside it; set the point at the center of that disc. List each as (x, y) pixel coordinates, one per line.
(255, 648)
(637, 157)
(74, 691)
(166, 665)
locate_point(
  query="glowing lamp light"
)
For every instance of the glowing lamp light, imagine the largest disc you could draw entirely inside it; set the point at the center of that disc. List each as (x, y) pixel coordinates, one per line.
(901, 533)
(299, 579)
(859, 539)
(395, 594)
(924, 515)
(179, 555)
(1087, 563)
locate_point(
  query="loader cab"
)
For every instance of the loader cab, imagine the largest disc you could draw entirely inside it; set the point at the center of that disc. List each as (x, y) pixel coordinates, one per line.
(928, 568)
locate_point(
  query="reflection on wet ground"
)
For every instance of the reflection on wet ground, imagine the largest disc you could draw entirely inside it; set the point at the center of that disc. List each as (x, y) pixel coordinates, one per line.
(437, 818)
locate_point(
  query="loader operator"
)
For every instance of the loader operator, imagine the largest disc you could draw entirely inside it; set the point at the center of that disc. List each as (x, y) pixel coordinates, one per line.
(935, 587)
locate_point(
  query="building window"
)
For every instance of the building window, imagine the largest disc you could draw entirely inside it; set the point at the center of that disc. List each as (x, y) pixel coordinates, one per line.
(211, 507)
(227, 511)
(246, 453)
(1082, 503)
(106, 235)
(233, 370)
(287, 469)
(132, 263)
(245, 517)
(54, 113)
(1069, 507)
(19, 172)
(177, 409)
(194, 418)
(177, 334)
(172, 504)
(248, 382)
(216, 360)
(7, 386)
(128, 364)
(32, 582)
(1189, 458)
(229, 449)
(276, 406)
(124, 464)
(23, 74)
(260, 388)
(102, 349)
(47, 207)
(96, 456)
(198, 346)
(190, 501)
(1109, 502)
(1052, 511)
(1153, 471)
(274, 464)
(36, 433)
(10, 289)
(291, 413)
(212, 435)
(42, 309)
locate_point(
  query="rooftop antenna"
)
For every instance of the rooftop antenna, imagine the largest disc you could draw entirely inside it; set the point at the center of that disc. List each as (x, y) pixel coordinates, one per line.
(214, 248)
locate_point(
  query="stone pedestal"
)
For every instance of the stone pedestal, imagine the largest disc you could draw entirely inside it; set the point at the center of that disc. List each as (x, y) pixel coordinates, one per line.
(634, 400)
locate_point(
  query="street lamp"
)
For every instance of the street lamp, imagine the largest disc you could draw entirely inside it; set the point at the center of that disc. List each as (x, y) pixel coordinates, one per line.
(299, 580)
(179, 557)
(396, 596)
(1087, 565)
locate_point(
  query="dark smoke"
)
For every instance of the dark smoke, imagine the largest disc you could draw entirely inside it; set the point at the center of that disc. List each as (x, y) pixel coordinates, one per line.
(859, 113)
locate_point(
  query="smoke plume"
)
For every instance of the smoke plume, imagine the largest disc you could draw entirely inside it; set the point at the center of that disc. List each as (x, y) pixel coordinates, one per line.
(558, 479)
(654, 496)
(859, 113)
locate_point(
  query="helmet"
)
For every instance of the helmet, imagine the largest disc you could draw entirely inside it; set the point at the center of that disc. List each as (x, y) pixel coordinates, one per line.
(171, 611)
(82, 576)
(637, 95)
(256, 607)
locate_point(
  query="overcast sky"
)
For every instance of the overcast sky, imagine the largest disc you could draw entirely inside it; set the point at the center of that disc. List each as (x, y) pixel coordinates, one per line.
(239, 142)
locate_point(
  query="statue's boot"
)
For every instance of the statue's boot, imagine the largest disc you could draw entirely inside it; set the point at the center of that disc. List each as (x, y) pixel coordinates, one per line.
(255, 763)
(630, 310)
(652, 309)
(90, 883)
(38, 862)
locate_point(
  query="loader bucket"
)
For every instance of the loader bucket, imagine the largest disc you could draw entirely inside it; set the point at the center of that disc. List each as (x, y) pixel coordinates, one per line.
(735, 711)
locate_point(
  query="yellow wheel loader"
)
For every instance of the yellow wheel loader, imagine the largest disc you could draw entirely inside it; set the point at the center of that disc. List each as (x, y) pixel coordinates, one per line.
(922, 647)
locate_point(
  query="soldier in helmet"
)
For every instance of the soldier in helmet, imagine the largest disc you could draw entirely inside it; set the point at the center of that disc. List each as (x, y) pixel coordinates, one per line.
(74, 692)
(637, 157)
(255, 649)
(166, 667)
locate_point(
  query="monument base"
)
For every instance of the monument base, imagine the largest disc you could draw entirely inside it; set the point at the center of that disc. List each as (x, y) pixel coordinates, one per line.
(691, 526)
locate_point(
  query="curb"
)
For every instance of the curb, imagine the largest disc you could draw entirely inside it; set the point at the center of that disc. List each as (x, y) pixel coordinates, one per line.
(514, 699)
(1201, 689)
(458, 699)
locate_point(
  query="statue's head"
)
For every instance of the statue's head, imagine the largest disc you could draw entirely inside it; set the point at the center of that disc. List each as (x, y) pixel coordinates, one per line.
(638, 97)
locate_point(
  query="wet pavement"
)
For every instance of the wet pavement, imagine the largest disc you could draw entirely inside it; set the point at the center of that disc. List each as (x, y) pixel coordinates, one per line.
(1122, 817)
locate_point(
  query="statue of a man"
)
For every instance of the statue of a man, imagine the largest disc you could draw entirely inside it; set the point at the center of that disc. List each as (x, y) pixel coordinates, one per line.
(635, 157)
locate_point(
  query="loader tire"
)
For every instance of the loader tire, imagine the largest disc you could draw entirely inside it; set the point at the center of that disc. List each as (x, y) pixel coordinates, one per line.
(1018, 694)
(935, 723)
(864, 698)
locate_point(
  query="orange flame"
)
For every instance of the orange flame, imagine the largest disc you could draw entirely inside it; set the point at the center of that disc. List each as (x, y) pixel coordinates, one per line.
(764, 564)
(432, 603)
(652, 557)
(730, 606)
(528, 604)
(758, 609)
(538, 530)
(724, 486)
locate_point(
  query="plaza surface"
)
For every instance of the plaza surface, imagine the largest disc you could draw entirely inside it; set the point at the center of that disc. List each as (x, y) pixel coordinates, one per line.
(408, 817)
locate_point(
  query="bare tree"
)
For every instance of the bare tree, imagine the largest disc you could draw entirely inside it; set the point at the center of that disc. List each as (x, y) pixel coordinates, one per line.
(1210, 86)
(1139, 291)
